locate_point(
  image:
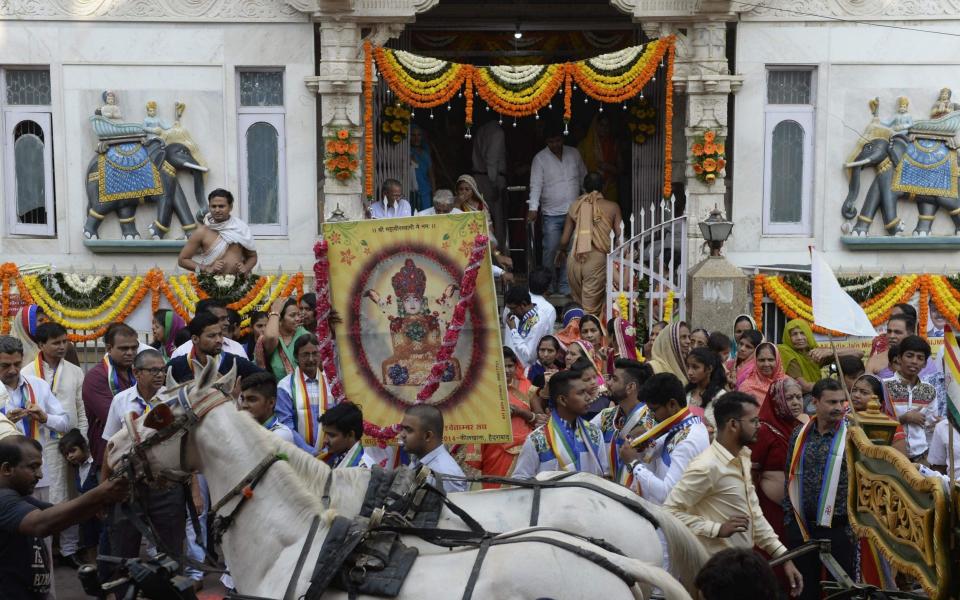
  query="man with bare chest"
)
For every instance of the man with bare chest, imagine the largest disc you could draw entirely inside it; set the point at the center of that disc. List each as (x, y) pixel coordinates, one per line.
(223, 244)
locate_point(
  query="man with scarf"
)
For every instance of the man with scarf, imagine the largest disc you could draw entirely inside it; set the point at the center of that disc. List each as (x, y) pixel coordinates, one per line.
(590, 220)
(816, 501)
(223, 244)
(343, 431)
(66, 381)
(658, 458)
(304, 395)
(628, 419)
(105, 380)
(716, 497)
(566, 442)
(206, 333)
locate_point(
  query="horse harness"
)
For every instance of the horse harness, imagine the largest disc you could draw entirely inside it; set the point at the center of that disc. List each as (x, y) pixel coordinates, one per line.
(354, 549)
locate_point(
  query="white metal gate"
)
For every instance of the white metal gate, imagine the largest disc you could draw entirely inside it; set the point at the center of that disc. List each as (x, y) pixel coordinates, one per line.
(650, 263)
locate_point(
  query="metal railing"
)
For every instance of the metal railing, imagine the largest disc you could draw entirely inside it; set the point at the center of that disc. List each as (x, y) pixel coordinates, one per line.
(656, 251)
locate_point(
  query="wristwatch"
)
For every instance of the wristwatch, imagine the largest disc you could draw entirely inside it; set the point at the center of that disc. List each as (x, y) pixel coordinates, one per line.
(632, 465)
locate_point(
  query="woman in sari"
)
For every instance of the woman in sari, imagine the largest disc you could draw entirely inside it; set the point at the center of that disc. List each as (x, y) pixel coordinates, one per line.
(796, 351)
(670, 349)
(707, 381)
(498, 459)
(749, 340)
(741, 324)
(781, 413)
(274, 351)
(600, 153)
(471, 200)
(166, 324)
(570, 324)
(590, 331)
(759, 373)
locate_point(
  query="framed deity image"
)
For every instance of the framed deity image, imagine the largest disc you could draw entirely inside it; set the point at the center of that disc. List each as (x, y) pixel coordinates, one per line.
(396, 284)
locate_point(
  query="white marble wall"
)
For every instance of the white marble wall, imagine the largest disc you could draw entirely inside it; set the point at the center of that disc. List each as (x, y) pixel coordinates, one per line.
(191, 62)
(854, 63)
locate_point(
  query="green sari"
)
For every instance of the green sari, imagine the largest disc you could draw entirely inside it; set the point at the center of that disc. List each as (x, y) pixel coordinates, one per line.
(282, 361)
(809, 369)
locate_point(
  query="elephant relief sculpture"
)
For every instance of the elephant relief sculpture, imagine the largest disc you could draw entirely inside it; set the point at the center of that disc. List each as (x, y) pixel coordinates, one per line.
(915, 160)
(139, 163)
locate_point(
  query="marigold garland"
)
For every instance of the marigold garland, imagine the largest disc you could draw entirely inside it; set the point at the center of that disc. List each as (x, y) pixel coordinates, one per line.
(668, 307)
(518, 91)
(924, 312)
(709, 157)
(181, 291)
(758, 301)
(341, 158)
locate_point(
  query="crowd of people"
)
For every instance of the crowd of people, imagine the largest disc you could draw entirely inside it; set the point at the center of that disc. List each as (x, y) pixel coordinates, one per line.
(739, 437)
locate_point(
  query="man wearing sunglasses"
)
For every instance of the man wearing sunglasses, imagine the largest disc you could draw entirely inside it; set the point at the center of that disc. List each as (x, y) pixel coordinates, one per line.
(716, 498)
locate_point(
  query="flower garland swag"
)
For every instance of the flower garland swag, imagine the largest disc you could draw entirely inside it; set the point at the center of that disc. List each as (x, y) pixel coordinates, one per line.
(758, 301)
(938, 289)
(321, 272)
(709, 156)
(518, 91)
(88, 322)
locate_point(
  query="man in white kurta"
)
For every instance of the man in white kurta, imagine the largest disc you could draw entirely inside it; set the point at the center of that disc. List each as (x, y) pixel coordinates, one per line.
(66, 381)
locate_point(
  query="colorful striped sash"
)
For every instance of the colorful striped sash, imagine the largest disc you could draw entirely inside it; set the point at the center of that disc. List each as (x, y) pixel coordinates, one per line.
(113, 377)
(303, 405)
(829, 482)
(619, 471)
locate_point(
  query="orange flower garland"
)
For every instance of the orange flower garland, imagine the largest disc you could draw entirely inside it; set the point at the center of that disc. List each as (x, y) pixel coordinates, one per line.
(368, 120)
(758, 300)
(520, 104)
(417, 93)
(924, 312)
(668, 121)
(249, 296)
(567, 96)
(468, 96)
(619, 88)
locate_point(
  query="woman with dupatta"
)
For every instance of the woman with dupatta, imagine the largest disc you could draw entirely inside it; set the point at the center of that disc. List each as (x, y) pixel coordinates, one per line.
(781, 413)
(669, 351)
(471, 200)
(797, 352)
(166, 325)
(601, 155)
(499, 459)
(590, 220)
(758, 374)
(274, 351)
(24, 328)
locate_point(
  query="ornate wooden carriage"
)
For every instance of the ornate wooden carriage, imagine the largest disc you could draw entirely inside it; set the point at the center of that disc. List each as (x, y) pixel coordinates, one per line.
(907, 516)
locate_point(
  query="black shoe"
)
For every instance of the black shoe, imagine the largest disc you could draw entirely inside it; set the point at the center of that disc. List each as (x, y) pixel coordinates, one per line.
(69, 561)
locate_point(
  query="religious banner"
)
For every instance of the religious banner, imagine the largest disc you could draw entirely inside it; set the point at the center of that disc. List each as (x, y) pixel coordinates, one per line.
(396, 284)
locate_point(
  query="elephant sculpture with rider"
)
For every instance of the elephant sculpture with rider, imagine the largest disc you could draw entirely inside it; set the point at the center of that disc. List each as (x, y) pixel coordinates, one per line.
(912, 160)
(140, 163)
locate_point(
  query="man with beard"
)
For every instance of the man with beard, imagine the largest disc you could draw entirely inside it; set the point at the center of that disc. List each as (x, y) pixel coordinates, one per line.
(716, 498)
(628, 419)
(663, 452)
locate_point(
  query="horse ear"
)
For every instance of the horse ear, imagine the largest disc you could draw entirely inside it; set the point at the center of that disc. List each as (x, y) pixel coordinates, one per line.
(207, 373)
(159, 417)
(228, 379)
(171, 382)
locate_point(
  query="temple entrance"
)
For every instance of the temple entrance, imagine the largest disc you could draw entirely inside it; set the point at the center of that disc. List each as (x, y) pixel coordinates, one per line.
(426, 149)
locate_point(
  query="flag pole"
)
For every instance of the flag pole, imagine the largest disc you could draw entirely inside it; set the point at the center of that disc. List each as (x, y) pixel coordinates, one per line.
(843, 382)
(951, 466)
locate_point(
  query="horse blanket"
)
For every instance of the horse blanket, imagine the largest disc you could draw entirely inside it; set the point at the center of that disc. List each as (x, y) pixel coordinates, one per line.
(125, 171)
(929, 168)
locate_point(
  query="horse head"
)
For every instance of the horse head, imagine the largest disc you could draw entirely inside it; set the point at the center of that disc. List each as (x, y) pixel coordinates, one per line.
(156, 448)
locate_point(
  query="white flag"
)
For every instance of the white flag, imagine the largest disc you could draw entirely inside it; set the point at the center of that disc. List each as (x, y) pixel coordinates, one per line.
(833, 308)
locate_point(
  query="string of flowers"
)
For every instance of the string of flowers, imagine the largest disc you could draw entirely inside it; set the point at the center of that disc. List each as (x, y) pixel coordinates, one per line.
(368, 120)
(709, 156)
(668, 307)
(321, 274)
(7, 271)
(758, 300)
(518, 91)
(468, 285)
(924, 312)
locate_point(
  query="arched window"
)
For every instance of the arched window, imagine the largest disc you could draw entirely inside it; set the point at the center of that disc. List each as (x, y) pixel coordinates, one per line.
(788, 152)
(262, 160)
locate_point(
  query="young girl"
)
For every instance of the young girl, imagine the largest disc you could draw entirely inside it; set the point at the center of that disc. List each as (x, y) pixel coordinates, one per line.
(549, 358)
(707, 380)
(749, 340)
(597, 398)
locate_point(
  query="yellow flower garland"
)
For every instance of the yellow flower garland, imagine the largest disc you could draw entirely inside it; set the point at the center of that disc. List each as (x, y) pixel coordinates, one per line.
(40, 293)
(111, 316)
(243, 310)
(668, 307)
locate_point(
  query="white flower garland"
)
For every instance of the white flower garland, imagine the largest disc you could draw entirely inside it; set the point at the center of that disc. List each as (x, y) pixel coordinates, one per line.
(517, 75)
(421, 65)
(224, 281)
(615, 60)
(82, 285)
(854, 288)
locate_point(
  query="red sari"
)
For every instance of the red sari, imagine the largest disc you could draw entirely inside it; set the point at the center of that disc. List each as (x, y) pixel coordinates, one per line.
(769, 452)
(498, 459)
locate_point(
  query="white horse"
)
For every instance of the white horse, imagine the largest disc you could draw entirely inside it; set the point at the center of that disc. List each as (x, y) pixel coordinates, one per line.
(577, 510)
(268, 535)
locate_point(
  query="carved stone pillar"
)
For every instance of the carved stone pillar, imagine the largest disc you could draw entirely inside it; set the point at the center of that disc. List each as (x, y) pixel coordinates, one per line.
(701, 76)
(339, 79)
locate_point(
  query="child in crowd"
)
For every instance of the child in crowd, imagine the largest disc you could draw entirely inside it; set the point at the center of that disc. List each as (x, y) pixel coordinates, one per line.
(75, 450)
